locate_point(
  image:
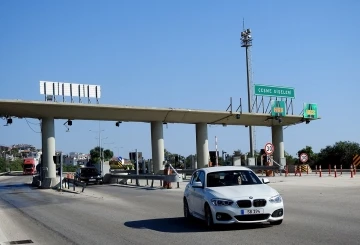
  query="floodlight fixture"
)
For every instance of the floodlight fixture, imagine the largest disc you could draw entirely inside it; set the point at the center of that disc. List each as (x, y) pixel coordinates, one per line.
(117, 124)
(278, 119)
(68, 122)
(307, 121)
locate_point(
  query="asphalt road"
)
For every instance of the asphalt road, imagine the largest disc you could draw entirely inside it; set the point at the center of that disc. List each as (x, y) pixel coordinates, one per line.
(317, 211)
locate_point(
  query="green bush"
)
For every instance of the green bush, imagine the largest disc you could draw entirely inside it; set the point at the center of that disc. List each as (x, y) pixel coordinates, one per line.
(13, 165)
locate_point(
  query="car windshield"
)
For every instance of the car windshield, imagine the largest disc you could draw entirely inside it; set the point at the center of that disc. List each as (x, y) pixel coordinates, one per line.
(86, 171)
(232, 178)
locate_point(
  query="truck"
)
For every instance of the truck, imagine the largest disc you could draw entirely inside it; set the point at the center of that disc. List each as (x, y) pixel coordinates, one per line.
(29, 166)
(123, 164)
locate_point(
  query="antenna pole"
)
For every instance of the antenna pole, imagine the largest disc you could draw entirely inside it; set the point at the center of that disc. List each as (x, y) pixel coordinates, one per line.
(246, 42)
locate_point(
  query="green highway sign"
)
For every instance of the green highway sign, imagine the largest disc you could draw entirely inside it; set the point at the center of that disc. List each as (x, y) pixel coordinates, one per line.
(278, 108)
(310, 110)
(274, 91)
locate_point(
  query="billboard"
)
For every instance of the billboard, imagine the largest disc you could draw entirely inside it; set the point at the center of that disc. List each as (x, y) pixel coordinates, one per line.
(132, 156)
(72, 90)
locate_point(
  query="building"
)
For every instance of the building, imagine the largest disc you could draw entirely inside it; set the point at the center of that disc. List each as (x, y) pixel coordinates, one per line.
(76, 159)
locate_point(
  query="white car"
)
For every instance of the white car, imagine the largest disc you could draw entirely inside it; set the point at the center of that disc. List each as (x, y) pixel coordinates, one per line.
(228, 194)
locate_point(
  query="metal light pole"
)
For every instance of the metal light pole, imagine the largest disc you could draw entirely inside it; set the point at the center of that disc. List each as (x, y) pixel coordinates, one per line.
(216, 152)
(100, 150)
(246, 41)
(118, 149)
(137, 166)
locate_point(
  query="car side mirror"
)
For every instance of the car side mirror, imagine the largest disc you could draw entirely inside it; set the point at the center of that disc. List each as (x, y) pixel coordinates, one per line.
(197, 185)
(266, 180)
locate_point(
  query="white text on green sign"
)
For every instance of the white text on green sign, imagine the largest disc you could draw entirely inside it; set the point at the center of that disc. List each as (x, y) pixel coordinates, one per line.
(274, 91)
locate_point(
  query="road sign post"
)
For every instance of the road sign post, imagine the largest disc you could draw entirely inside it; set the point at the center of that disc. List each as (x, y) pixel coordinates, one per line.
(304, 157)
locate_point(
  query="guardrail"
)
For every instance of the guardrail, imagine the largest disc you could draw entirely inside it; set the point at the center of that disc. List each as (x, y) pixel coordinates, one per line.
(67, 182)
(147, 177)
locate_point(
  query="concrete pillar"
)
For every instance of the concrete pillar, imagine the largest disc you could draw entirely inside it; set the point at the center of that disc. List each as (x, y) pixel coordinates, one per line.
(157, 146)
(48, 151)
(278, 142)
(202, 146)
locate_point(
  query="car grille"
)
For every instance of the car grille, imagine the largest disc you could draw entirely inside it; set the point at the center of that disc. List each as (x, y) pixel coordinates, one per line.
(259, 203)
(252, 217)
(244, 203)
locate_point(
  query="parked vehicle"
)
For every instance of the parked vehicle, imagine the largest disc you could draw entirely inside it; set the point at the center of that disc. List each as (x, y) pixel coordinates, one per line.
(88, 175)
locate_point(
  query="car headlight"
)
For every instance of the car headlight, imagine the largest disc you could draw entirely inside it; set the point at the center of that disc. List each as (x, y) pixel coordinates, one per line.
(275, 199)
(221, 202)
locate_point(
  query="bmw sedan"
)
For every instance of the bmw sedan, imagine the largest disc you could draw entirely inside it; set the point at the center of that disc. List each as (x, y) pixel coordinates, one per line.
(229, 194)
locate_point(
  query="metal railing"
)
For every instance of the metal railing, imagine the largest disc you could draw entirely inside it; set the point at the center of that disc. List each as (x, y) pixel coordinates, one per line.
(75, 183)
(161, 177)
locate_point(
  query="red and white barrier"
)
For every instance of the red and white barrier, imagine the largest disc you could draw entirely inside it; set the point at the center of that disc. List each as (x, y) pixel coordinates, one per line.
(335, 171)
(351, 172)
(320, 171)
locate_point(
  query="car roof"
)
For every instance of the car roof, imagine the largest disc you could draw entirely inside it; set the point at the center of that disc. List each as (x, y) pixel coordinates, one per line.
(223, 168)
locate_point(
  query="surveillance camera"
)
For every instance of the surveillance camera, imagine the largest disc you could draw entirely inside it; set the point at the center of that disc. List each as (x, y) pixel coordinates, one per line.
(238, 116)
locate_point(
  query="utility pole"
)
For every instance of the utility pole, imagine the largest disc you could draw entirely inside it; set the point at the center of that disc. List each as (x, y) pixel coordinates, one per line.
(246, 42)
(100, 149)
(137, 167)
(101, 167)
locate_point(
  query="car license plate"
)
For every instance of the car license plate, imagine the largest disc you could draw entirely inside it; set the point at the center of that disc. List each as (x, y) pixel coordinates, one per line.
(252, 211)
(92, 179)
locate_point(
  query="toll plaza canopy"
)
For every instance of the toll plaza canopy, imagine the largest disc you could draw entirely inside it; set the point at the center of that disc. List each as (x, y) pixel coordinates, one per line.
(79, 111)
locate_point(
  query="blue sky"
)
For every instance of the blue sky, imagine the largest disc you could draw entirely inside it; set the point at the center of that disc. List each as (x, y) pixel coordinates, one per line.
(183, 54)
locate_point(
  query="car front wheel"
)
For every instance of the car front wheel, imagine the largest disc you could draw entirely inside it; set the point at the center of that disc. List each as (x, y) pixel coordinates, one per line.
(187, 214)
(208, 217)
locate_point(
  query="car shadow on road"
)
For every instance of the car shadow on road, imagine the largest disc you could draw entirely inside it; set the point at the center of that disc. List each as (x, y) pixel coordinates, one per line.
(148, 188)
(181, 225)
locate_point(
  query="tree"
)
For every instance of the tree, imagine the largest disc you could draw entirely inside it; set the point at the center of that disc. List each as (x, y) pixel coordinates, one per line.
(95, 154)
(12, 166)
(189, 159)
(342, 152)
(290, 160)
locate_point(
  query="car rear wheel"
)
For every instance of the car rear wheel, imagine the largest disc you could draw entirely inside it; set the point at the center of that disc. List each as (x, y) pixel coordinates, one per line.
(187, 213)
(208, 217)
(278, 222)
